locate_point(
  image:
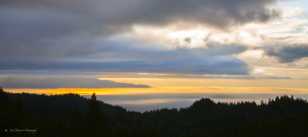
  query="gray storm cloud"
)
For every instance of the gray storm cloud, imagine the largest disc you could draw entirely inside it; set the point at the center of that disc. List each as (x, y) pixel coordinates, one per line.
(219, 13)
(63, 34)
(288, 53)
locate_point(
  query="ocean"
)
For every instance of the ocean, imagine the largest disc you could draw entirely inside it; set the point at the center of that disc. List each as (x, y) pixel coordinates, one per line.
(148, 102)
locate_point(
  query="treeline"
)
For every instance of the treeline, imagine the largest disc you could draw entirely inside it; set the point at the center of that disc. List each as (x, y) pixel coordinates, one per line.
(75, 116)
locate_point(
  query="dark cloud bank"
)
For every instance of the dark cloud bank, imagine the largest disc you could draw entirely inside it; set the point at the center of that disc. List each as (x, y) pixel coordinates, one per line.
(72, 34)
(288, 53)
(60, 82)
(219, 13)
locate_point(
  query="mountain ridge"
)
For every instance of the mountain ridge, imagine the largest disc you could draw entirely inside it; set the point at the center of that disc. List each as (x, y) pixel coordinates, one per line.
(74, 115)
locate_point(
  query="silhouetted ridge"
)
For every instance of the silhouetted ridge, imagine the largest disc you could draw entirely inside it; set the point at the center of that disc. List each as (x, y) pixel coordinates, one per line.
(75, 116)
(203, 102)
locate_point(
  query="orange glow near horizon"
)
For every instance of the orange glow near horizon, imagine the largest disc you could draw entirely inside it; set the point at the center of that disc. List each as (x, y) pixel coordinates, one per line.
(164, 90)
(183, 85)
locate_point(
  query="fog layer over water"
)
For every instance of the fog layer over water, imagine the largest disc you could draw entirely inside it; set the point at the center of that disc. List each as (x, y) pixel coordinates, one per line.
(149, 102)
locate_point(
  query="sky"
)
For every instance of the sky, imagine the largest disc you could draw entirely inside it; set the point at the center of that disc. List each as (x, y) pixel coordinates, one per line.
(154, 46)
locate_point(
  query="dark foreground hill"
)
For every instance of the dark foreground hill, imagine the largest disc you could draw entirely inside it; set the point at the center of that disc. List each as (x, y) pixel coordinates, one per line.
(74, 116)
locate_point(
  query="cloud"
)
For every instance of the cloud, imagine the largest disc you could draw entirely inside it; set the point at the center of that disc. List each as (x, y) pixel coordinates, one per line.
(222, 13)
(288, 53)
(61, 82)
(27, 33)
(134, 56)
(74, 34)
(214, 48)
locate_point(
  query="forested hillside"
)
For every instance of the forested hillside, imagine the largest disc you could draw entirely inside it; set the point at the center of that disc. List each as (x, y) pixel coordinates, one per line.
(75, 116)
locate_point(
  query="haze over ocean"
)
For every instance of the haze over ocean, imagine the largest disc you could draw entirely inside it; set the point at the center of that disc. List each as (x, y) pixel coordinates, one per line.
(142, 103)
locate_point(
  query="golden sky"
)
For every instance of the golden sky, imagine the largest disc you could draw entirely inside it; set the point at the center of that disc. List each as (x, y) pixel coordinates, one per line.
(206, 47)
(183, 84)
